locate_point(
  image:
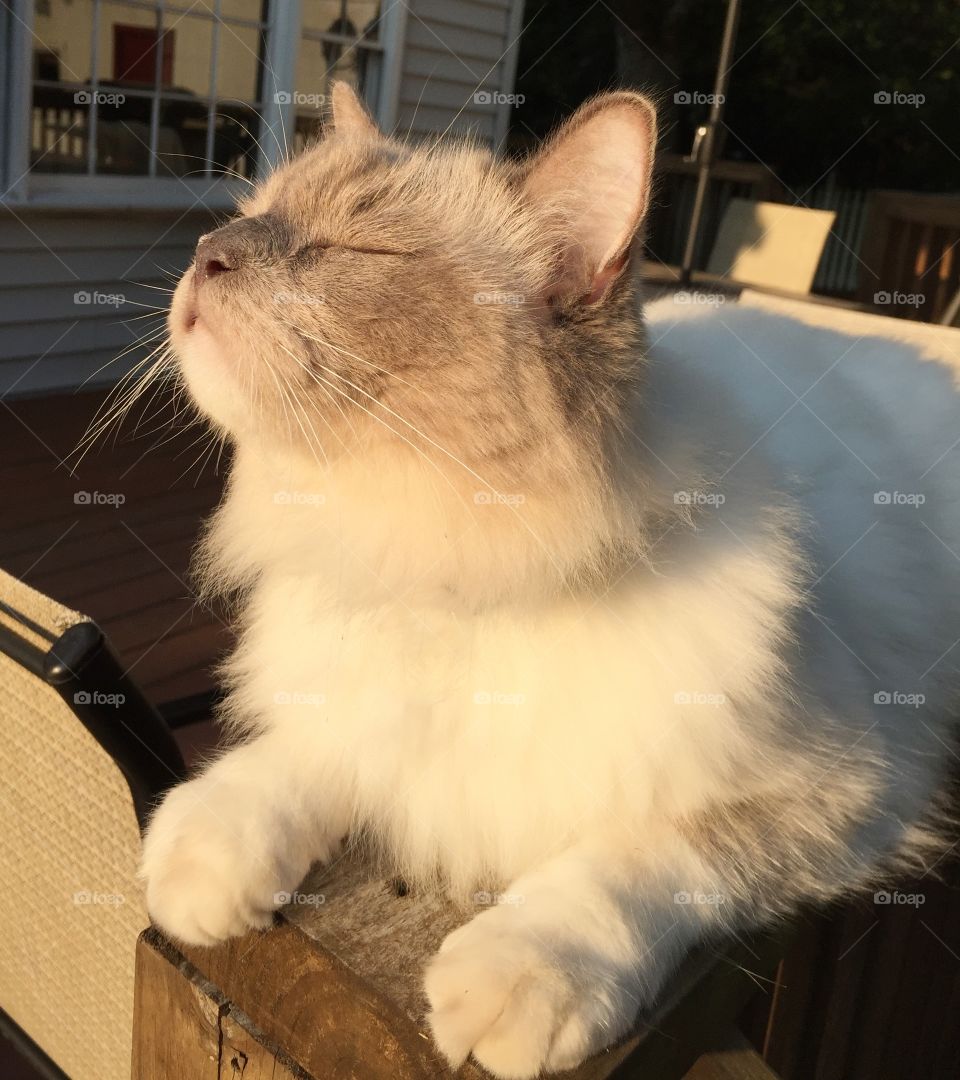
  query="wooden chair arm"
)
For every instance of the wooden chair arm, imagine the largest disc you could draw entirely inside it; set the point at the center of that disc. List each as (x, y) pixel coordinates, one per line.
(333, 992)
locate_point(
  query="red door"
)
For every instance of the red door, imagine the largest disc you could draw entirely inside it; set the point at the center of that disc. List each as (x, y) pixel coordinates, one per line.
(134, 55)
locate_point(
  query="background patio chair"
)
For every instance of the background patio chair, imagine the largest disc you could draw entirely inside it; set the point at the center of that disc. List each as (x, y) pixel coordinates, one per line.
(770, 245)
(909, 258)
(83, 756)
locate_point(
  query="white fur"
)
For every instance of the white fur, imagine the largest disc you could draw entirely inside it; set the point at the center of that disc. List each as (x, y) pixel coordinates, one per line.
(550, 741)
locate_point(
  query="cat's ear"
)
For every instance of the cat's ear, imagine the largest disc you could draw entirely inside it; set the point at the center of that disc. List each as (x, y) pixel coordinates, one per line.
(593, 177)
(349, 114)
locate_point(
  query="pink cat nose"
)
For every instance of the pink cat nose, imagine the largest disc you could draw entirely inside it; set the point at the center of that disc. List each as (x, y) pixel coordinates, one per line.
(239, 245)
(214, 256)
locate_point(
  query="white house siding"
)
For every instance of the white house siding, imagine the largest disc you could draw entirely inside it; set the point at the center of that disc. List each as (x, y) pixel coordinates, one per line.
(61, 279)
(455, 50)
(452, 49)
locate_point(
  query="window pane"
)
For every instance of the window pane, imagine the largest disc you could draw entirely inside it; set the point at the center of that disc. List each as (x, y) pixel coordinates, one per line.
(182, 135)
(240, 75)
(138, 63)
(62, 32)
(239, 70)
(136, 57)
(236, 132)
(192, 53)
(323, 56)
(58, 132)
(348, 18)
(310, 92)
(252, 10)
(61, 71)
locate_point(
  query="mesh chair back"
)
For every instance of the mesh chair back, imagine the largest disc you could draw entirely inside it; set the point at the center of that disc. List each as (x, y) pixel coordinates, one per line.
(70, 907)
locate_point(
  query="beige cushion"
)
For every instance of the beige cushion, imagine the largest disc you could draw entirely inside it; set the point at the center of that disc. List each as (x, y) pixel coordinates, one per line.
(770, 244)
(70, 906)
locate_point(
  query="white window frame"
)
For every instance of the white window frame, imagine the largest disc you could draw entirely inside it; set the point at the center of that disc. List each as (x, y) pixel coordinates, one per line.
(21, 187)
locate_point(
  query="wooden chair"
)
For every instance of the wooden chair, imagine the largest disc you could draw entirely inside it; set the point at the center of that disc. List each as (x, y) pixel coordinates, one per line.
(911, 256)
(333, 992)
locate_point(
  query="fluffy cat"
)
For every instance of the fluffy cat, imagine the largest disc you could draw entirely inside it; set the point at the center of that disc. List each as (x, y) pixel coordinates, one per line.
(537, 595)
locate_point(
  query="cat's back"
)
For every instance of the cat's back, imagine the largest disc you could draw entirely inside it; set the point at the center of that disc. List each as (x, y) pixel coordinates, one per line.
(811, 397)
(862, 432)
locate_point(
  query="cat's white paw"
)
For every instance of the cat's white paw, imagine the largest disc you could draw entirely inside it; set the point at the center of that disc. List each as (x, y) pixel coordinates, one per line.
(505, 994)
(214, 863)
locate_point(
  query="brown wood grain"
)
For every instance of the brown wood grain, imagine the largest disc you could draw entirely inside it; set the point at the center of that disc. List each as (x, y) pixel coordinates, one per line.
(331, 1023)
(905, 236)
(126, 567)
(176, 1027)
(185, 1030)
(244, 1057)
(335, 1027)
(345, 1004)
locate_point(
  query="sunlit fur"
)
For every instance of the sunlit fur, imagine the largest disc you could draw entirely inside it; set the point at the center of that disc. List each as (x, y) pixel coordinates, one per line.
(541, 598)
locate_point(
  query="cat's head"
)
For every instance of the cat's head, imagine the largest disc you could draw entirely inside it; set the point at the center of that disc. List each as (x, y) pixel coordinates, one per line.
(431, 295)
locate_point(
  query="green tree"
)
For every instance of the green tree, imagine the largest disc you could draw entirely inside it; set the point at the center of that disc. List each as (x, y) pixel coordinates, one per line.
(803, 86)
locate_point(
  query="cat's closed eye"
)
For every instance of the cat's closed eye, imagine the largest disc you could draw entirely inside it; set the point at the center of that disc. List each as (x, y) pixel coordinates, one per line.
(319, 248)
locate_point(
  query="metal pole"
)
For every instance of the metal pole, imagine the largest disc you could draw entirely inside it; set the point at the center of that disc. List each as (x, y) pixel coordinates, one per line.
(704, 147)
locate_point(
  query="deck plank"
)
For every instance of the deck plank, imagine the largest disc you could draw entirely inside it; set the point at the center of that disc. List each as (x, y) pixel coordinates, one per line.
(126, 566)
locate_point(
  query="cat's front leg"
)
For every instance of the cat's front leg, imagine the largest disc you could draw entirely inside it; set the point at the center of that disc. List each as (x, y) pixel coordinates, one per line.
(222, 849)
(557, 967)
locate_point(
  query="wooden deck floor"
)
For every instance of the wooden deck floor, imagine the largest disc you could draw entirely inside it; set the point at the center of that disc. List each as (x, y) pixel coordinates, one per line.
(123, 565)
